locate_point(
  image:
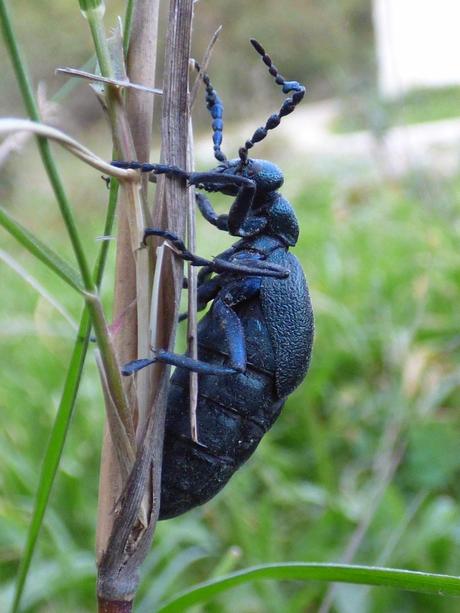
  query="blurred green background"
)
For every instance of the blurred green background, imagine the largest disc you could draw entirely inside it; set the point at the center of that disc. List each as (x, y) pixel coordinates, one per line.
(363, 465)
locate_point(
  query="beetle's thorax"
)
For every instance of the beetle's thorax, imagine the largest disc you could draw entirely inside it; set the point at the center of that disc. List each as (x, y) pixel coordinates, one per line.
(282, 221)
(261, 243)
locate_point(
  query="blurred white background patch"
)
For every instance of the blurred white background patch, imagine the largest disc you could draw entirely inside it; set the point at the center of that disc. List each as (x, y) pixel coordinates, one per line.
(418, 44)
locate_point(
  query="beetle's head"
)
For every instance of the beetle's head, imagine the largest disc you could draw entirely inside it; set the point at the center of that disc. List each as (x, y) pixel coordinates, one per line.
(266, 175)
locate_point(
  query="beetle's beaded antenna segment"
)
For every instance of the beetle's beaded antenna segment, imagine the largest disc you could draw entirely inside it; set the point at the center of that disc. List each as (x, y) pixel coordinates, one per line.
(287, 107)
(216, 108)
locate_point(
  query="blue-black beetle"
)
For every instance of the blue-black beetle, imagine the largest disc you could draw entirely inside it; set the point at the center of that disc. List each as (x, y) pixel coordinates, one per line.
(255, 341)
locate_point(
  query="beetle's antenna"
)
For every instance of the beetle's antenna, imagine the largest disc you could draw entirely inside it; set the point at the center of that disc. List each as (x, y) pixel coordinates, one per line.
(216, 108)
(288, 105)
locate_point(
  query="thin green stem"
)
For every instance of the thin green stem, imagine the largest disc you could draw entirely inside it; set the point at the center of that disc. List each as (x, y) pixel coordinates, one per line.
(122, 138)
(41, 251)
(66, 212)
(94, 306)
(43, 145)
(127, 24)
(53, 452)
(123, 143)
(109, 222)
(110, 362)
(58, 434)
(96, 25)
(18, 64)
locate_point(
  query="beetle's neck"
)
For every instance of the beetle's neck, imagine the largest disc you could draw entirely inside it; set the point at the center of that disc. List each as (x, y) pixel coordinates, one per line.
(264, 199)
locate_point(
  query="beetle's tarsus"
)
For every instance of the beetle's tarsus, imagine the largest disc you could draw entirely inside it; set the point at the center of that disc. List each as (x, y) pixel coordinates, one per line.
(134, 366)
(181, 361)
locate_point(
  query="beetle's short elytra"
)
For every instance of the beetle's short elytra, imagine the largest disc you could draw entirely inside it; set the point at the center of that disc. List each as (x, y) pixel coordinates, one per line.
(255, 341)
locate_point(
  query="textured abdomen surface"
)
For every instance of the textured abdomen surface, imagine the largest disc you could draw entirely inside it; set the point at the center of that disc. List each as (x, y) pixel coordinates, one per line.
(233, 413)
(288, 312)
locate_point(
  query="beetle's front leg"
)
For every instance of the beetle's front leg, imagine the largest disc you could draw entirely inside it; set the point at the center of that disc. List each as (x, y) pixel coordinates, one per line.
(157, 169)
(210, 181)
(206, 209)
(200, 179)
(244, 192)
(219, 180)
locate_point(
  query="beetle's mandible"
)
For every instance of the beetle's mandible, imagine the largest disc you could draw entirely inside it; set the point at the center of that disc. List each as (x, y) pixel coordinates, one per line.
(255, 341)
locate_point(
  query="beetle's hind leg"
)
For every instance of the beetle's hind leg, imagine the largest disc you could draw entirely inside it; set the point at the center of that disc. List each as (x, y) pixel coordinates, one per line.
(173, 359)
(230, 296)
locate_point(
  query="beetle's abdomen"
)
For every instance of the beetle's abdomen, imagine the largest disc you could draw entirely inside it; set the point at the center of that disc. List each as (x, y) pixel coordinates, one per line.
(233, 413)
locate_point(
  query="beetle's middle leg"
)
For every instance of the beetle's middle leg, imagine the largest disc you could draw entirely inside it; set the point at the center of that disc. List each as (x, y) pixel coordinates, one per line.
(250, 266)
(206, 292)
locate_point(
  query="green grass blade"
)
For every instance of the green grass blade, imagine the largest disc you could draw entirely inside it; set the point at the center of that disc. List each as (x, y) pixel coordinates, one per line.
(37, 248)
(54, 451)
(58, 434)
(127, 24)
(38, 287)
(295, 571)
(108, 226)
(30, 103)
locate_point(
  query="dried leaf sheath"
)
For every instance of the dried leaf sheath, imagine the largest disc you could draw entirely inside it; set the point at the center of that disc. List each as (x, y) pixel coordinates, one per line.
(130, 540)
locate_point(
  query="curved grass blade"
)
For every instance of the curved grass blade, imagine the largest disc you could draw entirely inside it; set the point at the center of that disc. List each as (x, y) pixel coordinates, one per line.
(54, 451)
(41, 251)
(364, 575)
(38, 287)
(45, 132)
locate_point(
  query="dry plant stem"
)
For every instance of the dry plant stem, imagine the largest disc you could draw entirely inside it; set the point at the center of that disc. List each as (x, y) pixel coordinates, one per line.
(192, 276)
(133, 268)
(124, 84)
(141, 68)
(204, 66)
(111, 370)
(115, 606)
(192, 340)
(124, 451)
(170, 212)
(130, 540)
(192, 273)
